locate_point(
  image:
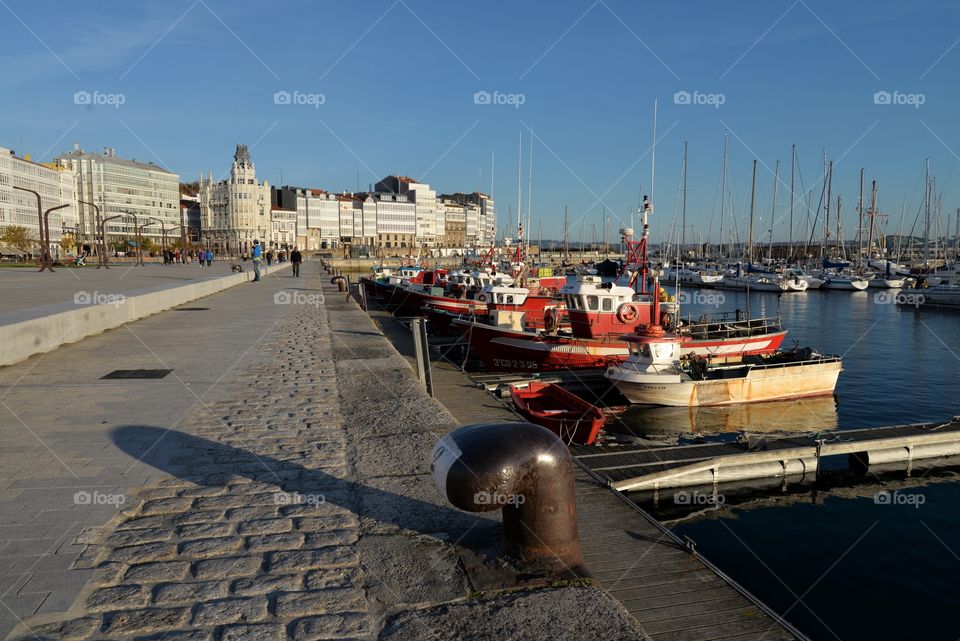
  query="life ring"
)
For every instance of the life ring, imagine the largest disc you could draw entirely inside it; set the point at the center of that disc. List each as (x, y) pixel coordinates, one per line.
(481, 297)
(628, 313)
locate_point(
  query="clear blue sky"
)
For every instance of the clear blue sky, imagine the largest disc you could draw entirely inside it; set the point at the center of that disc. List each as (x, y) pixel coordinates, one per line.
(398, 81)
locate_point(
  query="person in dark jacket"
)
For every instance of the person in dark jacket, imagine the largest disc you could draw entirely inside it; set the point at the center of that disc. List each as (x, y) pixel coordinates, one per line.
(295, 259)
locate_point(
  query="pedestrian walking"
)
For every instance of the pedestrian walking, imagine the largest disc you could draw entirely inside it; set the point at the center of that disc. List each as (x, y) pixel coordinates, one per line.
(269, 257)
(255, 254)
(295, 259)
(209, 257)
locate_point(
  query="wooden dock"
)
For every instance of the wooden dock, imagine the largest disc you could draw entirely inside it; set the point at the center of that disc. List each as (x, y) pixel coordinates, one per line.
(638, 467)
(672, 591)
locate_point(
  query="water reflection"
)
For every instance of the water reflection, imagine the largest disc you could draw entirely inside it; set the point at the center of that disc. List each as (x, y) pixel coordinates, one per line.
(800, 415)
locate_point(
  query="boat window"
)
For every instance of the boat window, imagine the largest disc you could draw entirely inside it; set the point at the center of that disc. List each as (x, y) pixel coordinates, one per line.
(607, 304)
(645, 350)
(593, 303)
(510, 300)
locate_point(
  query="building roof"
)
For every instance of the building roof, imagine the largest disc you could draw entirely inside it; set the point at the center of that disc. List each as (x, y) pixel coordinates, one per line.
(111, 158)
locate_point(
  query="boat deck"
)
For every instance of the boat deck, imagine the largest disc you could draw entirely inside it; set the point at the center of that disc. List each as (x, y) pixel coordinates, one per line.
(634, 467)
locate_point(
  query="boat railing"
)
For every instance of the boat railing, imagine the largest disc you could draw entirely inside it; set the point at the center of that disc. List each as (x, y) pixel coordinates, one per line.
(731, 325)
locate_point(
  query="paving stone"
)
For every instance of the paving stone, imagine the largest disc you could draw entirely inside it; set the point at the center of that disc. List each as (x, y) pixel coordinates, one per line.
(299, 604)
(179, 635)
(157, 551)
(297, 560)
(166, 506)
(242, 566)
(201, 491)
(204, 530)
(207, 548)
(264, 526)
(254, 632)
(252, 513)
(237, 610)
(70, 630)
(332, 578)
(117, 598)
(336, 537)
(108, 573)
(157, 572)
(195, 592)
(148, 620)
(142, 522)
(332, 626)
(268, 542)
(138, 536)
(199, 516)
(266, 583)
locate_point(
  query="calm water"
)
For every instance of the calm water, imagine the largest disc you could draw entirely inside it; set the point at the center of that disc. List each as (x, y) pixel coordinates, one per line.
(840, 564)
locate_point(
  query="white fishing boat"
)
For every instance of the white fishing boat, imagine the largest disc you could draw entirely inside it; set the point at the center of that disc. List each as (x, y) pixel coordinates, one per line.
(656, 373)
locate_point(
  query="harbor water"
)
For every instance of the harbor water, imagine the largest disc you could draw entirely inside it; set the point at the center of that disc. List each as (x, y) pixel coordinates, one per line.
(854, 555)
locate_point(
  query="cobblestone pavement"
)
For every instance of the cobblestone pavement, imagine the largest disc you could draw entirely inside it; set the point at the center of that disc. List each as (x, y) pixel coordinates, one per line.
(292, 502)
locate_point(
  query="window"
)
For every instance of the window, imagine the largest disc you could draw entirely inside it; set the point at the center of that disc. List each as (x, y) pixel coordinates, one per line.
(607, 304)
(593, 303)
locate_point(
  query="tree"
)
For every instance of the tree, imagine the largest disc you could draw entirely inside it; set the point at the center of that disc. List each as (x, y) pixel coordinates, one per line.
(67, 243)
(147, 244)
(17, 237)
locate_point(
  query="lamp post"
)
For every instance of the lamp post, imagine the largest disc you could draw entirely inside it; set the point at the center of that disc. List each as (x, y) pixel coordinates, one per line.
(43, 220)
(140, 229)
(163, 229)
(136, 234)
(99, 238)
(103, 242)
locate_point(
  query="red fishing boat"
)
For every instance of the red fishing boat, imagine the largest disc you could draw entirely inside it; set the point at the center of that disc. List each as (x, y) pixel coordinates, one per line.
(562, 412)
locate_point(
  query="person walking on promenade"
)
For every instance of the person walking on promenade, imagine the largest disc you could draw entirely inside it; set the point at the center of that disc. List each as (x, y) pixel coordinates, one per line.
(255, 254)
(295, 259)
(269, 257)
(209, 257)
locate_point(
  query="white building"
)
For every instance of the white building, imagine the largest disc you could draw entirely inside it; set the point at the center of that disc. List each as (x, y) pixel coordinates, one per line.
(283, 228)
(56, 186)
(124, 188)
(235, 211)
(396, 221)
(425, 200)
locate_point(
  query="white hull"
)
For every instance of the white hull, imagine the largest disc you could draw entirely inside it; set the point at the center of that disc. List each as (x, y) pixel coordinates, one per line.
(846, 284)
(760, 384)
(886, 283)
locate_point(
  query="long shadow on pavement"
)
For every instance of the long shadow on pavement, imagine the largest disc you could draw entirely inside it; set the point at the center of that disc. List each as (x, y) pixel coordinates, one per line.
(211, 463)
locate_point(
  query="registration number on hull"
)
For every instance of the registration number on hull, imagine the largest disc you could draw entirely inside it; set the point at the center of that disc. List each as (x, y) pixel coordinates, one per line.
(515, 364)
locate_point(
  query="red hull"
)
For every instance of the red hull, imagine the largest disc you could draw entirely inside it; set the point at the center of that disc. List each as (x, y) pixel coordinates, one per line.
(562, 412)
(510, 351)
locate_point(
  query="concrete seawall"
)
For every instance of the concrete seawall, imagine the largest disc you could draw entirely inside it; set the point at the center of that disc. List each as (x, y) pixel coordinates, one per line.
(42, 329)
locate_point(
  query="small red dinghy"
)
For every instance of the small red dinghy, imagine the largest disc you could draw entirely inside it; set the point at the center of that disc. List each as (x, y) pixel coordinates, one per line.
(563, 413)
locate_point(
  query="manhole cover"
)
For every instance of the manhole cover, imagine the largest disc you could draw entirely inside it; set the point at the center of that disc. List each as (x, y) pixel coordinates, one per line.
(137, 373)
(191, 309)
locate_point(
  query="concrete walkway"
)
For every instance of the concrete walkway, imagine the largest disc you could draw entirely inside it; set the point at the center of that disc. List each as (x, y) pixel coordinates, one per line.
(274, 485)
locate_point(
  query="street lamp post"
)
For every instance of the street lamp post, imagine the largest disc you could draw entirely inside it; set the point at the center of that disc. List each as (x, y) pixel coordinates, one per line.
(136, 234)
(43, 220)
(103, 236)
(140, 229)
(99, 237)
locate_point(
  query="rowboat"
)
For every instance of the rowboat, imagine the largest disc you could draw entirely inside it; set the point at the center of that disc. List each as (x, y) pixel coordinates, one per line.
(562, 412)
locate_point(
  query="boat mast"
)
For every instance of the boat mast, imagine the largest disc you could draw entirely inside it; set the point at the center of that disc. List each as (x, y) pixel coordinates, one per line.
(566, 236)
(871, 213)
(826, 209)
(793, 163)
(860, 225)
(773, 212)
(723, 189)
(926, 223)
(683, 223)
(753, 190)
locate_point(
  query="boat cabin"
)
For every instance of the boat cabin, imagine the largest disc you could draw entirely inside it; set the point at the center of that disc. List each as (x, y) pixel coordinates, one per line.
(600, 309)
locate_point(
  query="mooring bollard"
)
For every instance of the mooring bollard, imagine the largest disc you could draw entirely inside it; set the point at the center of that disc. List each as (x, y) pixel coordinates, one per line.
(340, 282)
(526, 471)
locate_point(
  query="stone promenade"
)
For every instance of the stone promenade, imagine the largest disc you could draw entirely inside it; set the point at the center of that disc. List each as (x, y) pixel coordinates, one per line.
(274, 485)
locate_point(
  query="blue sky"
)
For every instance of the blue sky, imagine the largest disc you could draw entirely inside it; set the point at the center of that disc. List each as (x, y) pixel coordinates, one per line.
(398, 80)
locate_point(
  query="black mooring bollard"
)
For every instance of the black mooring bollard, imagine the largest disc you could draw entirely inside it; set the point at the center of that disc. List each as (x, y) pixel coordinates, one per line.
(340, 282)
(525, 470)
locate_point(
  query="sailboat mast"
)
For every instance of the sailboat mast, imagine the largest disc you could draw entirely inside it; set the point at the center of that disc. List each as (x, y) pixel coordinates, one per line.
(793, 166)
(773, 210)
(872, 215)
(566, 237)
(520, 189)
(826, 210)
(753, 191)
(860, 227)
(723, 189)
(926, 220)
(683, 228)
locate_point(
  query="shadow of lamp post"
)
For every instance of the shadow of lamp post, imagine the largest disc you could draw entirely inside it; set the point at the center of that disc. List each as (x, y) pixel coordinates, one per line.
(43, 220)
